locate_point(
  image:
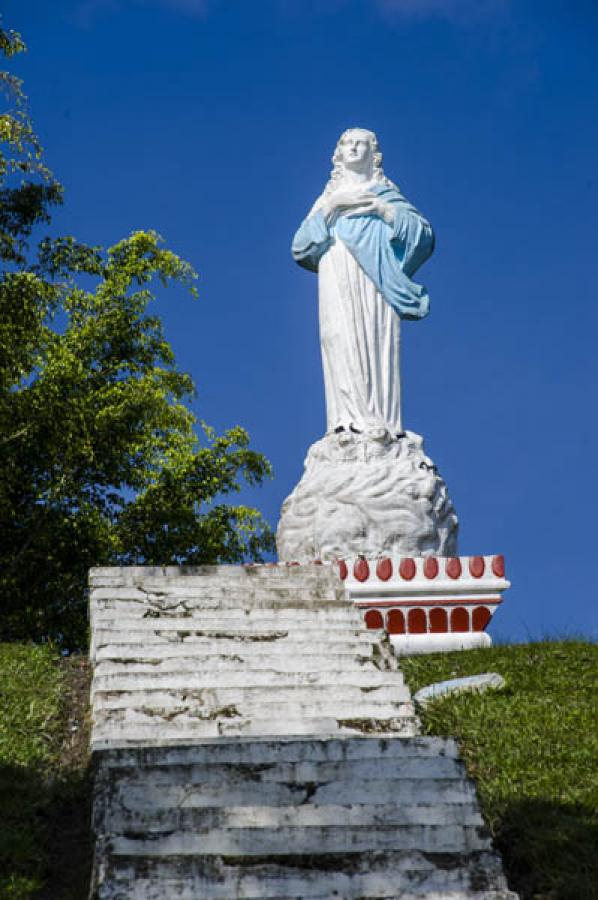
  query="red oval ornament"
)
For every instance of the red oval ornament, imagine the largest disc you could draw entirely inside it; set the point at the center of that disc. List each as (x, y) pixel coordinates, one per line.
(384, 569)
(342, 569)
(438, 620)
(459, 619)
(416, 621)
(373, 619)
(361, 570)
(480, 618)
(395, 622)
(453, 567)
(431, 567)
(476, 566)
(407, 568)
(498, 566)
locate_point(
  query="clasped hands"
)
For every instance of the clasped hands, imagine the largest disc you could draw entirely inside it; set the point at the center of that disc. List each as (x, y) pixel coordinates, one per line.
(347, 203)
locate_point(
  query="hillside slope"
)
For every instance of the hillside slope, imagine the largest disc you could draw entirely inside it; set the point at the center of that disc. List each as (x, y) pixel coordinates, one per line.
(44, 785)
(533, 750)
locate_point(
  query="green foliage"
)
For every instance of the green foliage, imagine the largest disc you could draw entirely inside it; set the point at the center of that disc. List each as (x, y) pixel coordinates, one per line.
(100, 459)
(27, 188)
(30, 687)
(532, 749)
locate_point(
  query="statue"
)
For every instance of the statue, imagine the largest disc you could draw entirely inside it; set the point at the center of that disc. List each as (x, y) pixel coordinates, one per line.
(368, 487)
(365, 241)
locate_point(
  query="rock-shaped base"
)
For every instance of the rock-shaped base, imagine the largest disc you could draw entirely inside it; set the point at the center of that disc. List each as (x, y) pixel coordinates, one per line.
(367, 495)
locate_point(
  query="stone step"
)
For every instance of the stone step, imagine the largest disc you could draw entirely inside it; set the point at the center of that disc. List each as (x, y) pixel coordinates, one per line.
(372, 792)
(249, 639)
(203, 819)
(310, 659)
(223, 597)
(125, 609)
(313, 840)
(108, 733)
(223, 602)
(201, 640)
(240, 751)
(305, 775)
(139, 629)
(406, 875)
(298, 597)
(224, 629)
(225, 667)
(307, 595)
(346, 616)
(246, 654)
(228, 601)
(205, 694)
(182, 709)
(200, 678)
(162, 578)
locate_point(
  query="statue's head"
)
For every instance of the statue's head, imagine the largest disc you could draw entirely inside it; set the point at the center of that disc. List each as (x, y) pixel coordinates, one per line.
(357, 150)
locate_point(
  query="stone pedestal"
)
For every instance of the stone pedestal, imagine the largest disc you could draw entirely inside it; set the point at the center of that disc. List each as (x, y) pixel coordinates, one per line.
(381, 512)
(370, 496)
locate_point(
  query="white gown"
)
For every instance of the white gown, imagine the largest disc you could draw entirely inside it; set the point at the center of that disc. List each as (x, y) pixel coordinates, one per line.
(359, 334)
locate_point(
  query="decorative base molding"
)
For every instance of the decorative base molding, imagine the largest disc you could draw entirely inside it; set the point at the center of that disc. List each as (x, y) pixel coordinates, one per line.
(427, 604)
(413, 645)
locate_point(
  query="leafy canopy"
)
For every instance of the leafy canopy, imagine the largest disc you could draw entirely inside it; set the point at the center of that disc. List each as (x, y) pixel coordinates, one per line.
(101, 462)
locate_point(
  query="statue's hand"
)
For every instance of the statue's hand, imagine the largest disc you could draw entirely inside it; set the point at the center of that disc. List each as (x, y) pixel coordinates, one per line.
(351, 204)
(374, 207)
(344, 202)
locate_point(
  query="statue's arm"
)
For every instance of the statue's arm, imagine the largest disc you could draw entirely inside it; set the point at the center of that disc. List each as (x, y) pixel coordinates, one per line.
(411, 236)
(311, 241)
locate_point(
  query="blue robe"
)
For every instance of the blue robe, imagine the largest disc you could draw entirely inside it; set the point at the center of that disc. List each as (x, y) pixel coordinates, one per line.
(389, 255)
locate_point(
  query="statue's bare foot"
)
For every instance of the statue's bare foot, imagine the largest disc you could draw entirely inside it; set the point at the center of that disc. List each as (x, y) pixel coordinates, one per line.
(379, 434)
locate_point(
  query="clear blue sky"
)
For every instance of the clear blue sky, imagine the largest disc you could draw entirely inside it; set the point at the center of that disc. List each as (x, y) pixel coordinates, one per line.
(213, 122)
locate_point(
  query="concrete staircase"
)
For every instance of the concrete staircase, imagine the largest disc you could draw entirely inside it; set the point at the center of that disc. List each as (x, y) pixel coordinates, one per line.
(252, 741)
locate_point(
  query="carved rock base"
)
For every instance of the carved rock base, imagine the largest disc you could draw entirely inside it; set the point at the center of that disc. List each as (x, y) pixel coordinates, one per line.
(367, 495)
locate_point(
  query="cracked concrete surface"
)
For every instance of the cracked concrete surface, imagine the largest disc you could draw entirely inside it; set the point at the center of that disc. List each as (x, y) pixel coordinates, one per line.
(250, 740)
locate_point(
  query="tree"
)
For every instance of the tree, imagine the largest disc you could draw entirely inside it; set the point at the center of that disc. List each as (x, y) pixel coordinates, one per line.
(101, 458)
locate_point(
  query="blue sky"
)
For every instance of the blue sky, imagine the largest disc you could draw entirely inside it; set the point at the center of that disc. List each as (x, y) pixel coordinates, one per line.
(213, 121)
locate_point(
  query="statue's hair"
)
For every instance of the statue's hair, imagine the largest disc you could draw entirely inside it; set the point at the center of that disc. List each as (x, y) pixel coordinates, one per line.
(338, 169)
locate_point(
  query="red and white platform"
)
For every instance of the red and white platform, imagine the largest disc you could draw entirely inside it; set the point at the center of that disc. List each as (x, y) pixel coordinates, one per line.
(427, 604)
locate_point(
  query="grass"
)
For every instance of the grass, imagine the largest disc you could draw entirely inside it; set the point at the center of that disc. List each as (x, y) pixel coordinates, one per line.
(44, 788)
(533, 750)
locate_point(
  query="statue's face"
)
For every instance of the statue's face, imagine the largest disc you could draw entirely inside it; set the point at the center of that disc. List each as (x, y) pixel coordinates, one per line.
(356, 150)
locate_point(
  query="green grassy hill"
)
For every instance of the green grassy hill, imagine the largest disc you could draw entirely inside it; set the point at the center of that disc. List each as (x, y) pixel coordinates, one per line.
(532, 748)
(44, 783)
(533, 751)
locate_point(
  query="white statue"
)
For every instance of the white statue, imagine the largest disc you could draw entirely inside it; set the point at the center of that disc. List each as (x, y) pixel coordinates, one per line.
(365, 241)
(368, 488)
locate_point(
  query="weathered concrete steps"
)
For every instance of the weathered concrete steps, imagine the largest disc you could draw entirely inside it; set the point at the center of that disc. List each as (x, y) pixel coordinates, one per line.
(232, 650)
(250, 741)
